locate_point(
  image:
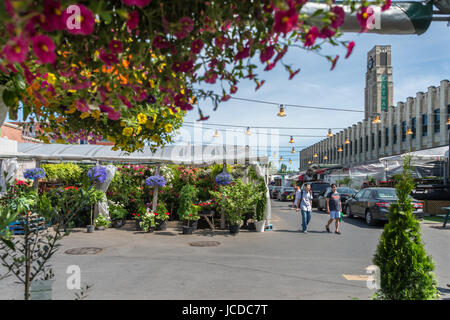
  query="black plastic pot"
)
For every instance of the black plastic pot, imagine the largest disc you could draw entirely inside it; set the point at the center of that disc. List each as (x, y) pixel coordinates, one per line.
(117, 223)
(90, 229)
(193, 224)
(187, 230)
(234, 228)
(161, 225)
(138, 227)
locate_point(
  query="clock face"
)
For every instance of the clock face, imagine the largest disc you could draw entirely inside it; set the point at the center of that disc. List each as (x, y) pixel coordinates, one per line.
(370, 64)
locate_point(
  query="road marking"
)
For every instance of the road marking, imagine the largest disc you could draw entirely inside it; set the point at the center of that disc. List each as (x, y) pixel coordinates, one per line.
(356, 277)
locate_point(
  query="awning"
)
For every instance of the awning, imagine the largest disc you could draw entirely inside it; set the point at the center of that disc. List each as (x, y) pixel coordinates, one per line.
(436, 154)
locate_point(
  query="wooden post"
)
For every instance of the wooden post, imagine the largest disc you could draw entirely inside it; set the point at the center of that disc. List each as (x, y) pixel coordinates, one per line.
(222, 213)
(36, 181)
(155, 192)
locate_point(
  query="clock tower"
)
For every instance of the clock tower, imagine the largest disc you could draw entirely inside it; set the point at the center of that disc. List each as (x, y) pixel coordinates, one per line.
(379, 91)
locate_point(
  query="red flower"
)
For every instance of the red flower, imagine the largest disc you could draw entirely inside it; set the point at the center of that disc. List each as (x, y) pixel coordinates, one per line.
(363, 16)
(242, 54)
(267, 54)
(197, 46)
(233, 89)
(338, 17)
(52, 18)
(285, 21)
(108, 58)
(17, 50)
(350, 47)
(293, 73)
(326, 33)
(79, 24)
(311, 36)
(221, 41)
(159, 43)
(115, 46)
(186, 24)
(133, 20)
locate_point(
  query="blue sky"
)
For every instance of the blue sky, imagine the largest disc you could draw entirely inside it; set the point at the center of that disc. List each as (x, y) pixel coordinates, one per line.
(418, 62)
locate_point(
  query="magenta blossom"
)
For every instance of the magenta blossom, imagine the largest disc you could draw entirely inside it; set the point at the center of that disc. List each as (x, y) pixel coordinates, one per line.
(133, 20)
(108, 58)
(259, 84)
(186, 24)
(125, 101)
(311, 36)
(242, 54)
(83, 23)
(44, 49)
(386, 5)
(285, 21)
(293, 73)
(222, 41)
(326, 32)
(115, 46)
(82, 106)
(159, 43)
(52, 18)
(138, 3)
(114, 115)
(187, 66)
(338, 17)
(267, 54)
(197, 46)
(17, 50)
(333, 62)
(363, 16)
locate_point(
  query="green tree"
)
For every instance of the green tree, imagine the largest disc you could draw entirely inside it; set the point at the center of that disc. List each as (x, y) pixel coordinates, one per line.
(405, 268)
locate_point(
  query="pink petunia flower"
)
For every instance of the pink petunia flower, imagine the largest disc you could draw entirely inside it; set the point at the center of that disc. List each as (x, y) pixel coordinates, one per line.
(285, 21)
(311, 36)
(17, 50)
(186, 24)
(267, 54)
(242, 54)
(293, 73)
(326, 32)
(114, 115)
(386, 5)
(338, 17)
(197, 46)
(159, 43)
(82, 106)
(108, 58)
(44, 49)
(115, 46)
(333, 62)
(138, 3)
(125, 101)
(82, 23)
(363, 16)
(221, 41)
(233, 89)
(133, 20)
(52, 17)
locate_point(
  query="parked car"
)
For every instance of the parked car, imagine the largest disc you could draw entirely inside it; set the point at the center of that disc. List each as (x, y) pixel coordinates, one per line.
(318, 187)
(275, 192)
(344, 192)
(284, 193)
(372, 204)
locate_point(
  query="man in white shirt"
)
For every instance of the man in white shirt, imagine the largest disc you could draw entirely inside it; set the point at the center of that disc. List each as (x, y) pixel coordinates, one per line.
(296, 197)
(305, 206)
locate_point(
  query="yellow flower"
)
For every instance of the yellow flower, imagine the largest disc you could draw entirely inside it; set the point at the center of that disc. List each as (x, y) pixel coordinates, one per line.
(114, 148)
(139, 145)
(72, 109)
(152, 83)
(171, 112)
(138, 130)
(52, 117)
(51, 78)
(112, 139)
(95, 114)
(84, 115)
(168, 127)
(149, 125)
(48, 129)
(122, 123)
(142, 118)
(60, 141)
(155, 138)
(127, 131)
(164, 114)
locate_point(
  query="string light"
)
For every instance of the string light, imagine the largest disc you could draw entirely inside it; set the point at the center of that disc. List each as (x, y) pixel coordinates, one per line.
(340, 149)
(376, 119)
(325, 157)
(281, 113)
(293, 150)
(248, 131)
(309, 162)
(315, 155)
(347, 141)
(409, 131)
(330, 134)
(216, 135)
(448, 121)
(291, 140)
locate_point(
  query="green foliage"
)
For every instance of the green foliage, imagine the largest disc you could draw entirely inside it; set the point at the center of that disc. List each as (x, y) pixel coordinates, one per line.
(406, 269)
(347, 181)
(186, 209)
(260, 201)
(147, 221)
(161, 212)
(235, 199)
(116, 211)
(101, 221)
(68, 172)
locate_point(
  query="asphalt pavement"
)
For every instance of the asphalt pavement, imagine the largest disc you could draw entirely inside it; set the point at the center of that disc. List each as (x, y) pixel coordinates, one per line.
(279, 264)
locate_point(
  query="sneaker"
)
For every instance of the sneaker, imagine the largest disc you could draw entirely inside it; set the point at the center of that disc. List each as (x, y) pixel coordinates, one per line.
(328, 229)
(305, 231)
(337, 232)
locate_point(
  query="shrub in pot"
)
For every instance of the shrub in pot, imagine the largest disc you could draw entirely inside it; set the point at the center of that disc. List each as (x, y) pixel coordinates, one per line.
(161, 216)
(117, 213)
(187, 211)
(147, 222)
(260, 206)
(101, 222)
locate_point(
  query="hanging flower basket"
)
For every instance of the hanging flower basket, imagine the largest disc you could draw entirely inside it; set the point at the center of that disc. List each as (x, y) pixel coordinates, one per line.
(223, 179)
(155, 180)
(34, 174)
(97, 174)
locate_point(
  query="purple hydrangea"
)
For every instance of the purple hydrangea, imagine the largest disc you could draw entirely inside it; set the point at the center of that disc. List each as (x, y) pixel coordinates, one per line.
(35, 173)
(155, 181)
(223, 178)
(97, 174)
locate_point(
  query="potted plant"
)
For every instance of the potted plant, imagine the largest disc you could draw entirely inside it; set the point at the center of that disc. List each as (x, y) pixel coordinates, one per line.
(187, 211)
(101, 223)
(193, 216)
(235, 199)
(161, 216)
(147, 222)
(117, 214)
(138, 218)
(260, 206)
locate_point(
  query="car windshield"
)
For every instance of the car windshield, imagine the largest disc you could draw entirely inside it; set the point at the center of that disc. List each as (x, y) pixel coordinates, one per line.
(346, 190)
(319, 186)
(387, 194)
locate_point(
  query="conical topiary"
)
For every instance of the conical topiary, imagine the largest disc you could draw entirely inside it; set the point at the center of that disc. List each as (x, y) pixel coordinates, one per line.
(406, 271)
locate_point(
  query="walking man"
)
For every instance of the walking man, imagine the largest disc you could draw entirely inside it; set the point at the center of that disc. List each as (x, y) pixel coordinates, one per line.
(334, 208)
(296, 197)
(305, 206)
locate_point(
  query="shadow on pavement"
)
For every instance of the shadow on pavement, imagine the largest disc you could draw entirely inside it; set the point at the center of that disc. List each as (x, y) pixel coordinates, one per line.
(440, 227)
(359, 222)
(296, 231)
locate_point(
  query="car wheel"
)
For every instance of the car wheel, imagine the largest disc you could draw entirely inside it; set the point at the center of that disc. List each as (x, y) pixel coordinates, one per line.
(369, 219)
(348, 211)
(319, 207)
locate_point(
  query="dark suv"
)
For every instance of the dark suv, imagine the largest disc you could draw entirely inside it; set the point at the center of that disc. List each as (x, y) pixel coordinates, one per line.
(317, 188)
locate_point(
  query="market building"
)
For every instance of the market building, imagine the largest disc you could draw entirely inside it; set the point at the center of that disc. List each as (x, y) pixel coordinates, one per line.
(419, 123)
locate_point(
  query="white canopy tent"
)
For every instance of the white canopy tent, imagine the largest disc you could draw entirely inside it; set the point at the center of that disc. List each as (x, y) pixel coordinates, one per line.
(201, 155)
